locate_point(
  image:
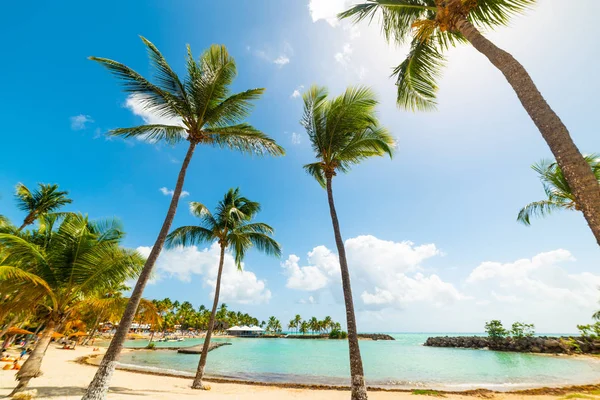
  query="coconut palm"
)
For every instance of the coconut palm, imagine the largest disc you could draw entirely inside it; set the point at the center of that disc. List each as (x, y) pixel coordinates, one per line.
(435, 26)
(46, 199)
(344, 131)
(327, 323)
(304, 327)
(291, 324)
(232, 227)
(76, 259)
(297, 322)
(204, 112)
(558, 192)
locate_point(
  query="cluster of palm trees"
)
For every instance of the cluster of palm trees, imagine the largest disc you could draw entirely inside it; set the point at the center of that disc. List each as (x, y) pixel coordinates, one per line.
(343, 131)
(183, 316)
(313, 325)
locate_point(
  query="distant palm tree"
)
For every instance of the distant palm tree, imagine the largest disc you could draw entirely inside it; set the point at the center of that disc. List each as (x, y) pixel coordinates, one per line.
(208, 114)
(292, 324)
(436, 26)
(344, 131)
(304, 327)
(327, 322)
(297, 321)
(39, 202)
(314, 324)
(557, 189)
(72, 262)
(232, 228)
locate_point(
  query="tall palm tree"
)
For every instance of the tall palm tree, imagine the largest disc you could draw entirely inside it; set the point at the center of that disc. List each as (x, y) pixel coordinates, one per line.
(73, 261)
(558, 192)
(435, 26)
(304, 327)
(232, 227)
(327, 323)
(46, 199)
(297, 322)
(343, 132)
(208, 114)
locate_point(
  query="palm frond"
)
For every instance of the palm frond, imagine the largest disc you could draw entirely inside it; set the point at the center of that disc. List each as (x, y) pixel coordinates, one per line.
(417, 75)
(491, 13)
(190, 235)
(15, 274)
(396, 16)
(171, 134)
(233, 109)
(244, 138)
(316, 171)
(538, 209)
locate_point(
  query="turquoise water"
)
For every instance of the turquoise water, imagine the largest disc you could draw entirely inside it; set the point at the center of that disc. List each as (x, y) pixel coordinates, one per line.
(400, 363)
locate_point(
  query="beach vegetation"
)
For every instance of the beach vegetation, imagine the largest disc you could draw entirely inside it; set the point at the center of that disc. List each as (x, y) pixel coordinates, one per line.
(343, 132)
(522, 330)
(338, 334)
(495, 330)
(559, 195)
(432, 28)
(427, 392)
(203, 112)
(233, 228)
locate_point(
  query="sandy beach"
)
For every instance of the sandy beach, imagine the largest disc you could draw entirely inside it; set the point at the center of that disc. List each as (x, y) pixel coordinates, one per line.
(65, 378)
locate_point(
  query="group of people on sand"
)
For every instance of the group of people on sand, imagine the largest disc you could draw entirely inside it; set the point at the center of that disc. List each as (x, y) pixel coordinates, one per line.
(15, 361)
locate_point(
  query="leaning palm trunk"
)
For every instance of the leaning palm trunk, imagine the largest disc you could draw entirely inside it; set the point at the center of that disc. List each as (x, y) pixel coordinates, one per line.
(98, 388)
(94, 329)
(359, 388)
(205, 347)
(576, 170)
(32, 367)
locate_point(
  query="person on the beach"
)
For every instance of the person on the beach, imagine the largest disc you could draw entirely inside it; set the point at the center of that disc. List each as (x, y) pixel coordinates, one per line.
(23, 352)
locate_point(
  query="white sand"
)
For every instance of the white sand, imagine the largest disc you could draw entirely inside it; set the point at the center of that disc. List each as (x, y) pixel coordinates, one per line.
(65, 379)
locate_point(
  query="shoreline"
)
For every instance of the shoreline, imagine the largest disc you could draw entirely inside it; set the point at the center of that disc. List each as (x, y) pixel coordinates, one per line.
(535, 391)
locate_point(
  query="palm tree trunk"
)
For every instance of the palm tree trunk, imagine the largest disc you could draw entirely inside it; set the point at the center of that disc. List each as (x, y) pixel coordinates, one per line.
(94, 329)
(576, 170)
(29, 337)
(200, 372)
(359, 388)
(31, 368)
(151, 337)
(98, 388)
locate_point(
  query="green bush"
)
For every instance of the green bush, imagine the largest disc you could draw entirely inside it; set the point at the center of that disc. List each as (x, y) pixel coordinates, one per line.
(495, 330)
(338, 334)
(151, 346)
(521, 330)
(590, 331)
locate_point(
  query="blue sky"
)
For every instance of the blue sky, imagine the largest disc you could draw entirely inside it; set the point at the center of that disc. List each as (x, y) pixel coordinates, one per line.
(453, 190)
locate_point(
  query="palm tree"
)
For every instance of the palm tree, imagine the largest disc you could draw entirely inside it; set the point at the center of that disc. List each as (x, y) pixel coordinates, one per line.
(344, 131)
(437, 25)
(232, 228)
(304, 327)
(73, 261)
(209, 115)
(327, 323)
(291, 324)
(557, 189)
(297, 322)
(314, 324)
(42, 201)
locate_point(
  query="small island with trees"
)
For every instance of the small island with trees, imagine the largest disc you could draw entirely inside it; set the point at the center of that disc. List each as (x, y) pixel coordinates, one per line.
(522, 338)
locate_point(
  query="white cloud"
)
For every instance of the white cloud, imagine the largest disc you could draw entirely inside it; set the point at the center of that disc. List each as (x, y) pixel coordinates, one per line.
(135, 103)
(327, 10)
(310, 300)
(343, 57)
(297, 92)
(295, 138)
(281, 60)
(385, 273)
(168, 192)
(183, 263)
(78, 121)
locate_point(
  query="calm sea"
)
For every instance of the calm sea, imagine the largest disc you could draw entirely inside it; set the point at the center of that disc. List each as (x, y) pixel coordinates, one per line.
(404, 363)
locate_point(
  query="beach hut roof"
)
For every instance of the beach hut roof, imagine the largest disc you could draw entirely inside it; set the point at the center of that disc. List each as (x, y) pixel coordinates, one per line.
(235, 328)
(17, 331)
(255, 329)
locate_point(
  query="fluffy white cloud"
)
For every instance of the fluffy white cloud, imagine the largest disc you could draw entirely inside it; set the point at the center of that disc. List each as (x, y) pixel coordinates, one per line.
(236, 286)
(135, 103)
(537, 279)
(168, 192)
(78, 121)
(282, 60)
(310, 300)
(297, 92)
(386, 273)
(327, 10)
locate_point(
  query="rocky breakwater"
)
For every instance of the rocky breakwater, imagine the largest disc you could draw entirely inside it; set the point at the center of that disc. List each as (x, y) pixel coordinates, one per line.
(536, 344)
(375, 336)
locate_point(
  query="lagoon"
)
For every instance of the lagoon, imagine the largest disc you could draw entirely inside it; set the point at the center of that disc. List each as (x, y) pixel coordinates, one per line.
(402, 363)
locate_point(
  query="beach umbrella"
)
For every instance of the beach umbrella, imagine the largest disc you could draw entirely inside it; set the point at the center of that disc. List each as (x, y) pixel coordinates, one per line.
(78, 334)
(17, 331)
(55, 335)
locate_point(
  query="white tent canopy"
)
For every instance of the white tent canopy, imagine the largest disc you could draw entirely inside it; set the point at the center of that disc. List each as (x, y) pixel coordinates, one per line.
(246, 328)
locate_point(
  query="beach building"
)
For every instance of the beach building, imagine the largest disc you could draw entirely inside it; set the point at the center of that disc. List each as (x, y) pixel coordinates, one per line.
(245, 331)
